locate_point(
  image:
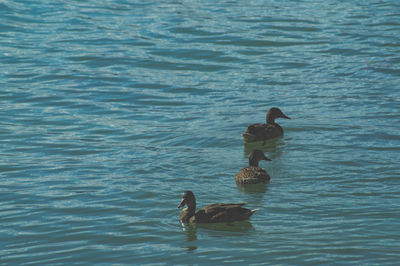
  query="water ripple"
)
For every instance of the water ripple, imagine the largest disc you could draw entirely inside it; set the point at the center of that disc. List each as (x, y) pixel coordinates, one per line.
(110, 109)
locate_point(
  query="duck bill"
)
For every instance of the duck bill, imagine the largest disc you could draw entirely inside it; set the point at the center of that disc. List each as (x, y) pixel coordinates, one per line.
(266, 159)
(285, 116)
(183, 203)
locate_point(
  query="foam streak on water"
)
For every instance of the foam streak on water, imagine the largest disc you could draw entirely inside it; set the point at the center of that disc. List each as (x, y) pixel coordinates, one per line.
(109, 110)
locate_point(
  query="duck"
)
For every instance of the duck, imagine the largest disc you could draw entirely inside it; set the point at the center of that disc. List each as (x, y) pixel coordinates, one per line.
(264, 132)
(214, 213)
(253, 174)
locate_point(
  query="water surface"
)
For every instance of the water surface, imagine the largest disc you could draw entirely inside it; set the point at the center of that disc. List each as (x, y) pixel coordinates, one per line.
(111, 109)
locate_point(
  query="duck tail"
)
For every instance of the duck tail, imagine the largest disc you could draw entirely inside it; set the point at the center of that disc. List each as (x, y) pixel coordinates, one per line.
(252, 212)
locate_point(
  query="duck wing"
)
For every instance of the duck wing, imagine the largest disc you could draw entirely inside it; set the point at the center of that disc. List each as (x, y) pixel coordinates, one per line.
(259, 132)
(223, 212)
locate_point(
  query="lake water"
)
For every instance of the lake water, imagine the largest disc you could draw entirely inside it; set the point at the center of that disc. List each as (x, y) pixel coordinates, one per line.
(111, 109)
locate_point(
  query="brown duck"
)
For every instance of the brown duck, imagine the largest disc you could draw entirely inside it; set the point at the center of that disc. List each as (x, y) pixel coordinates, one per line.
(214, 213)
(253, 174)
(263, 132)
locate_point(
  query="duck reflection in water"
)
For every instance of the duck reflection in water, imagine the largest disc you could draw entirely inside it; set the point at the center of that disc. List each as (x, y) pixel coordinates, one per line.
(273, 146)
(214, 230)
(191, 235)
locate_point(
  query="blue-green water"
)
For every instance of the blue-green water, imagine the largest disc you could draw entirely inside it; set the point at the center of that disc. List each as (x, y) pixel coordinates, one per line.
(110, 109)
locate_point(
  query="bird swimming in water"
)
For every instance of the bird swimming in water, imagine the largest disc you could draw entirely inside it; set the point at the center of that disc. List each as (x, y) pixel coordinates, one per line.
(214, 213)
(253, 174)
(264, 132)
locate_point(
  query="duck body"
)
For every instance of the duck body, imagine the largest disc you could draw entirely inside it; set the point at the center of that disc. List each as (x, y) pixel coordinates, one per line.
(214, 213)
(253, 174)
(217, 213)
(263, 132)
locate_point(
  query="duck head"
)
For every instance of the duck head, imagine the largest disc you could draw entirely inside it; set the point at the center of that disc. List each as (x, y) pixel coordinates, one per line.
(256, 156)
(274, 113)
(189, 200)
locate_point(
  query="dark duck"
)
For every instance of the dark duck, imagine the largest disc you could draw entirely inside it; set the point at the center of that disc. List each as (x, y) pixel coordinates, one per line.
(264, 132)
(253, 174)
(214, 213)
